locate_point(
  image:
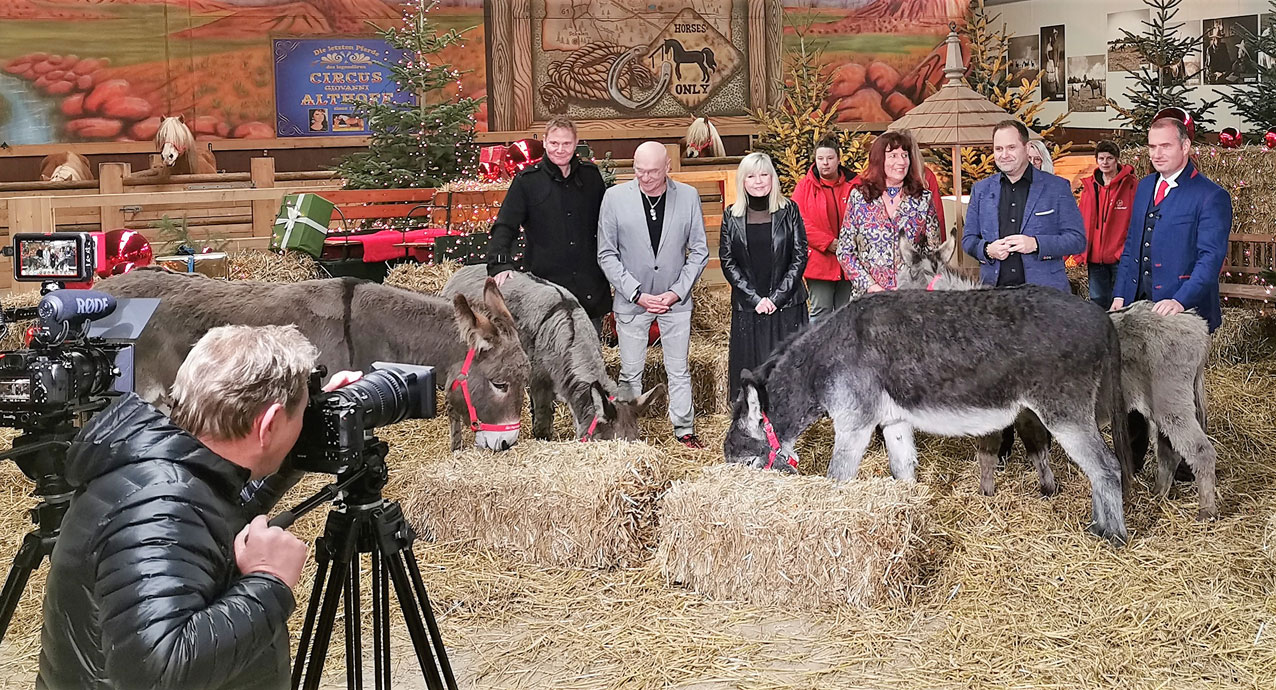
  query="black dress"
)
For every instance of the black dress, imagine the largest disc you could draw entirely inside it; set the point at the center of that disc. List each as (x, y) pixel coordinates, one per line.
(763, 256)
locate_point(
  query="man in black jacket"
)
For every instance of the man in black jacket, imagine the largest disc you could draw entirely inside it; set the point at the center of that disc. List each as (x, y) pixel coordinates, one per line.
(155, 581)
(556, 204)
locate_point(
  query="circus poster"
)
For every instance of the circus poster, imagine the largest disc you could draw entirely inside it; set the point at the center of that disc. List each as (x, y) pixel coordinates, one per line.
(107, 70)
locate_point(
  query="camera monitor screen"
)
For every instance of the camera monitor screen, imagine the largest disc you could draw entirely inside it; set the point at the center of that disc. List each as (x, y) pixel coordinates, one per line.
(60, 256)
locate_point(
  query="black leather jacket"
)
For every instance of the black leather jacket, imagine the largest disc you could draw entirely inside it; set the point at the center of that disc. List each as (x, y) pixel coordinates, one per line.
(143, 591)
(788, 251)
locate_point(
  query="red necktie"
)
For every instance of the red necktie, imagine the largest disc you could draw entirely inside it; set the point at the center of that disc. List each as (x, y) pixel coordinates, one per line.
(1161, 191)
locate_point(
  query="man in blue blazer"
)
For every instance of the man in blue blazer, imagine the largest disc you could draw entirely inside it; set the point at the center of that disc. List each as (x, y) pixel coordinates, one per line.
(1022, 223)
(1178, 234)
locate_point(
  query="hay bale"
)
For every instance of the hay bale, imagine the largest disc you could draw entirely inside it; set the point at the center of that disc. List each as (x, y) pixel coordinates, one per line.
(707, 360)
(427, 278)
(274, 267)
(1246, 336)
(562, 504)
(800, 542)
(711, 310)
(15, 334)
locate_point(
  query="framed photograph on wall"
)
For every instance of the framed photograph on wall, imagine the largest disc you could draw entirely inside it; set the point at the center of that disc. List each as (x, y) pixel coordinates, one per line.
(1125, 58)
(1087, 83)
(1226, 57)
(1053, 64)
(1023, 59)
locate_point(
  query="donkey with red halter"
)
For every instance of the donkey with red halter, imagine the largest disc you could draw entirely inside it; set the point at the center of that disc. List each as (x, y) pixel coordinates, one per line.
(473, 345)
(1162, 377)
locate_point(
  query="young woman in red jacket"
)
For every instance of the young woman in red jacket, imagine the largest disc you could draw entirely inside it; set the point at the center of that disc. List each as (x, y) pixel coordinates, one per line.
(821, 199)
(1107, 198)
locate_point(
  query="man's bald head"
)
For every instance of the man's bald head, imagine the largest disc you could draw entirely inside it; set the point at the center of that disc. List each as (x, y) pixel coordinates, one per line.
(651, 165)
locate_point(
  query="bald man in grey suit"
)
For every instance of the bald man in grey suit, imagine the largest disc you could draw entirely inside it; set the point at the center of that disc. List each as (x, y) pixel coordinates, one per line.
(652, 248)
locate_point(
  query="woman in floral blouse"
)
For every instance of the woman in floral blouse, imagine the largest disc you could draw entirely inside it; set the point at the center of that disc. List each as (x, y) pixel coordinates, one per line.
(890, 200)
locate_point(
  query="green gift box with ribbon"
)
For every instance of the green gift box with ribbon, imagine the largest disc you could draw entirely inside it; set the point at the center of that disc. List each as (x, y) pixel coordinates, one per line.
(302, 224)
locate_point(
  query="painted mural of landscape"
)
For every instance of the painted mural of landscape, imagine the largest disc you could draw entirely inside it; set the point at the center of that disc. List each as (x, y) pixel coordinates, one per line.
(883, 56)
(107, 70)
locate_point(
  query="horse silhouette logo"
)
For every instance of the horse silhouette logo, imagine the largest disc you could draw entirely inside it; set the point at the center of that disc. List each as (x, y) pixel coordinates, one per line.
(702, 58)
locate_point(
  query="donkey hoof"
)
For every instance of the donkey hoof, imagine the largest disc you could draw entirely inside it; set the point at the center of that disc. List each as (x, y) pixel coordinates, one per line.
(1049, 490)
(1207, 514)
(1117, 537)
(987, 489)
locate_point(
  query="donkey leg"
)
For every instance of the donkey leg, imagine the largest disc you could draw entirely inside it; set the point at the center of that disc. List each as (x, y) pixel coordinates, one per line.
(1036, 441)
(850, 440)
(458, 424)
(541, 391)
(1189, 441)
(1085, 446)
(901, 450)
(1167, 463)
(987, 452)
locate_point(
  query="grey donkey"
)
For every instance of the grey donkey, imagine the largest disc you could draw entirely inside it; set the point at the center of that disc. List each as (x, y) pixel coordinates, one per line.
(946, 363)
(566, 357)
(1162, 378)
(353, 324)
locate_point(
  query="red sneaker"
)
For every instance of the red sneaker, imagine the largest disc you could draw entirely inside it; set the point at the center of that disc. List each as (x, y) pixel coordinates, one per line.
(691, 441)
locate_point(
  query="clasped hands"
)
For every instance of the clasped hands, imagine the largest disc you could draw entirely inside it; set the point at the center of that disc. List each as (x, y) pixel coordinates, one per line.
(658, 304)
(1004, 247)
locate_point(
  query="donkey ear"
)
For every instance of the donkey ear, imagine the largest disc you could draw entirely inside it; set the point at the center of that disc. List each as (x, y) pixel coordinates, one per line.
(495, 301)
(475, 329)
(908, 250)
(753, 407)
(604, 408)
(640, 405)
(948, 250)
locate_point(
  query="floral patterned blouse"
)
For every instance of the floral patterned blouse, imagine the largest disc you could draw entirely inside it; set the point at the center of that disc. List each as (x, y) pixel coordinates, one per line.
(868, 243)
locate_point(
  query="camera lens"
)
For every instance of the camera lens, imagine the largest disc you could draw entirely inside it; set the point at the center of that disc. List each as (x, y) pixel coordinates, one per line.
(384, 396)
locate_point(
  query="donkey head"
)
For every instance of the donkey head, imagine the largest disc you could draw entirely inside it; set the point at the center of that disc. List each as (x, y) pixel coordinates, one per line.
(749, 440)
(921, 263)
(498, 374)
(617, 420)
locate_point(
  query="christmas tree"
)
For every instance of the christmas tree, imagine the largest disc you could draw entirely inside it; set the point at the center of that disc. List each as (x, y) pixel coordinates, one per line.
(424, 143)
(1162, 80)
(790, 132)
(1256, 103)
(988, 75)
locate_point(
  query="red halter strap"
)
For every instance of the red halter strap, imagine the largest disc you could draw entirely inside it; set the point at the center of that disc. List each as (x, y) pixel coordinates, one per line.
(775, 445)
(462, 380)
(589, 433)
(933, 281)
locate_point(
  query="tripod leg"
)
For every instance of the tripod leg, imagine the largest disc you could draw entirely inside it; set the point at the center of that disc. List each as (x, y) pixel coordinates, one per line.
(423, 597)
(354, 621)
(412, 616)
(312, 610)
(380, 624)
(24, 562)
(346, 551)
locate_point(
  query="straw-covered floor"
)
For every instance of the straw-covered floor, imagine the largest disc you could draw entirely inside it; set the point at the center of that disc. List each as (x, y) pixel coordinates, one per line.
(1016, 594)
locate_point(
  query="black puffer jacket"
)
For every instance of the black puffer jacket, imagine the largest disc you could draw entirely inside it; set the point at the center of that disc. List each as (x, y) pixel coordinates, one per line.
(143, 589)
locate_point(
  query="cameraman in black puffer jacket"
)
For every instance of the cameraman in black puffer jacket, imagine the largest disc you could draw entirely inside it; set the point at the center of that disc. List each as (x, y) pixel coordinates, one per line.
(156, 581)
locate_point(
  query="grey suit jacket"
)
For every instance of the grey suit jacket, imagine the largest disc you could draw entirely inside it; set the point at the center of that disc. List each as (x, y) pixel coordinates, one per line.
(624, 245)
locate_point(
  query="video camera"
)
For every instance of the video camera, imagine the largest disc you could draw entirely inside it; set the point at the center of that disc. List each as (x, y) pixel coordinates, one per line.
(81, 347)
(335, 431)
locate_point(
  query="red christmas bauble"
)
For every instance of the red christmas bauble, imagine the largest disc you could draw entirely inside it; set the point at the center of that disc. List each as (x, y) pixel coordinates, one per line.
(522, 154)
(1229, 138)
(1269, 139)
(125, 250)
(1180, 115)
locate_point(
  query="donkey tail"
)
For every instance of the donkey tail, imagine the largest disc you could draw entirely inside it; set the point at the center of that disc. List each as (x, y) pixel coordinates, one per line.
(1200, 395)
(1117, 413)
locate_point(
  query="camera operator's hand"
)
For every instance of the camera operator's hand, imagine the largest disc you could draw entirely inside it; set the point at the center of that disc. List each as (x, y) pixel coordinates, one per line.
(342, 378)
(260, 548)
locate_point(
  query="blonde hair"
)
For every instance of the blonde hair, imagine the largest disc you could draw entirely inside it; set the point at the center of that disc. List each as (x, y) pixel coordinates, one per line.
(561, 123)
(234, 373)
(757, 162)
(1047, 165)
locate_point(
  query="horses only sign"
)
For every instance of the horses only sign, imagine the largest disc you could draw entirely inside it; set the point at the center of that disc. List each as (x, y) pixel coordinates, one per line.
(701, 58)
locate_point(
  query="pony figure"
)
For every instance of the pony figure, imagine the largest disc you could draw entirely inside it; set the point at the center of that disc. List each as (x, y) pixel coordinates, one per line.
(702, 140)
(66, 166)
(178, 152)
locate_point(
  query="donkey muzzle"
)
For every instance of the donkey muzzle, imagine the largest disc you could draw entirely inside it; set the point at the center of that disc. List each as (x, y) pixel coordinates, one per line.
(496, 440)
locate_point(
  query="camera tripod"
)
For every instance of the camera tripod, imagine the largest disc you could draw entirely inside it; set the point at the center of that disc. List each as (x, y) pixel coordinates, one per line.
(41, 456)
(365, 523)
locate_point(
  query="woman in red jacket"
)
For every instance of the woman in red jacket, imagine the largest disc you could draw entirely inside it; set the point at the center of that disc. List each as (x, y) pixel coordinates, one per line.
(821, 199)
(1107, 197)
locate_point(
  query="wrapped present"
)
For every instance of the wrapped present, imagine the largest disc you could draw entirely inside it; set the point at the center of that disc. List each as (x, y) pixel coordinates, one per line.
(302, 224)
(492, 162)
(211, 264)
